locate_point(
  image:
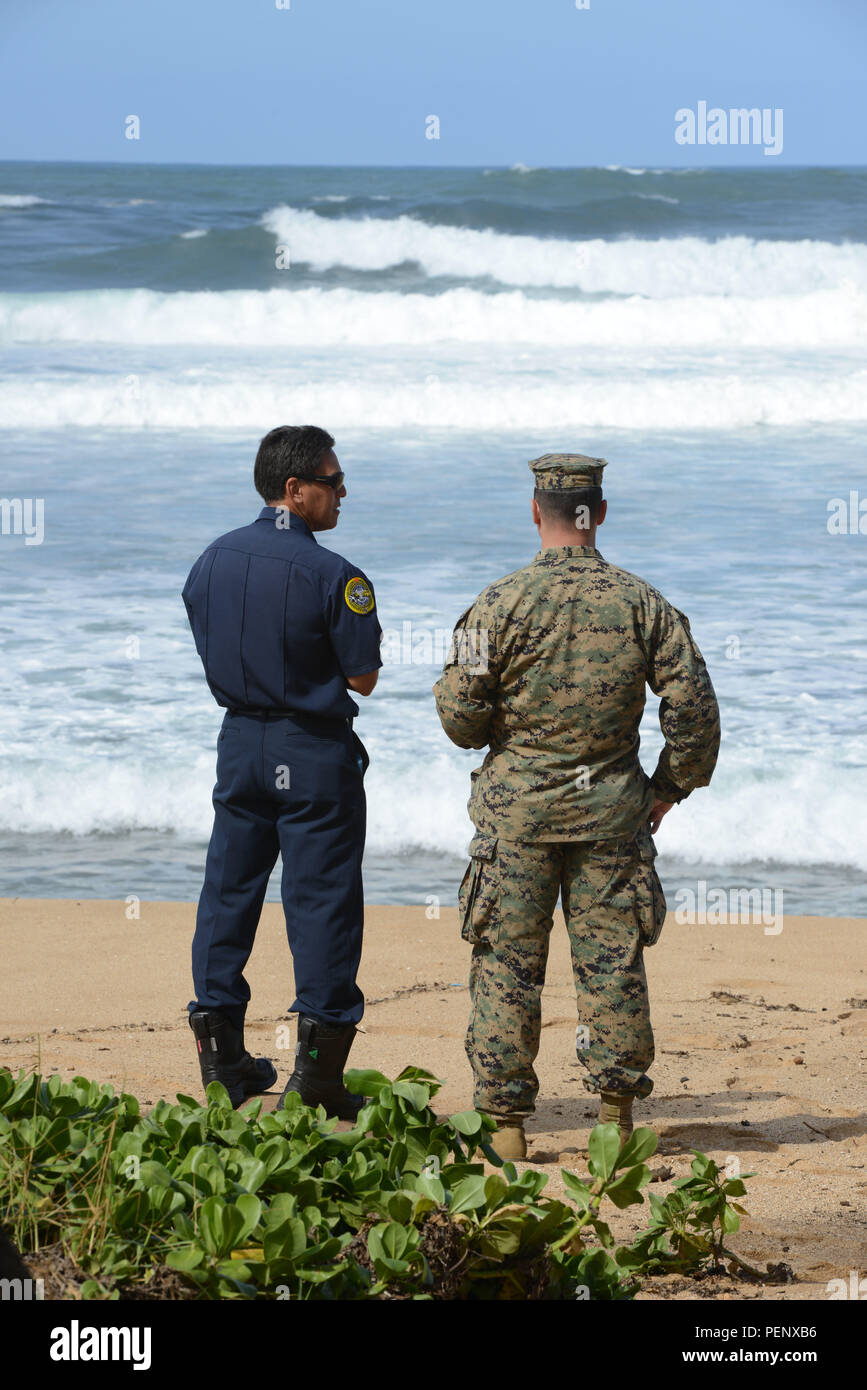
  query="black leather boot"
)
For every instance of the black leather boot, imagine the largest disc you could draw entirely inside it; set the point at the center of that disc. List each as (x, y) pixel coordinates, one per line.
(223, 1057)
(320, 1056)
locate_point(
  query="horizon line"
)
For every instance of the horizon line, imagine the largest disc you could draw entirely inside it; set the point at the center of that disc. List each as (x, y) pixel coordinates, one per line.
(505, 168)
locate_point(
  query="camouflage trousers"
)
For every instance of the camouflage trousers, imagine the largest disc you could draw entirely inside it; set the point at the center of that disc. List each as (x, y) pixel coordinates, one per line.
(614, 906)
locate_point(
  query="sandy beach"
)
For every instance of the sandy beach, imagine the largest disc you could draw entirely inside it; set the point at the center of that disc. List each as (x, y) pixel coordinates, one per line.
(760, 1049)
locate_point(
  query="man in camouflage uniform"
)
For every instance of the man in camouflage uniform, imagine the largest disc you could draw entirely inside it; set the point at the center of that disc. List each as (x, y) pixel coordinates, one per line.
(548, 669)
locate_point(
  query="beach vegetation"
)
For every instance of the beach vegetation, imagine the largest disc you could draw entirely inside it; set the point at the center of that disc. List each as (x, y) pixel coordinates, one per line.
(205, 1201)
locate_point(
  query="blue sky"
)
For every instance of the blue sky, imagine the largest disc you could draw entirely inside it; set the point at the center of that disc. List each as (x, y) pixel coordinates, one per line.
(353, 81)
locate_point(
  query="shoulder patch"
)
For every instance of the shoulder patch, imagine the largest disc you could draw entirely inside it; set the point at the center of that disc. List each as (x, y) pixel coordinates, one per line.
(358, 595)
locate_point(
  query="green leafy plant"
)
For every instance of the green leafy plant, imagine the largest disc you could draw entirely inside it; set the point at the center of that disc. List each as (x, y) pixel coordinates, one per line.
(688, 1228)
(246, 1204)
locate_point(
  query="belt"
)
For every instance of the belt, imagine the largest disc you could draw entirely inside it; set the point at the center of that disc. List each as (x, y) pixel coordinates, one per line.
(316, 723)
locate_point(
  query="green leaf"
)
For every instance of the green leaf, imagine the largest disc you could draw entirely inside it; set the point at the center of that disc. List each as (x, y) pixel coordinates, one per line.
(389, 1239)
(467, 1122)
(397, 1157)
(604, 1146)
(274, 1154)
(210, 1225)
(252, 1173)
(702, 1166)
(580, 1191)
(400, 1207)
(282, 1207)
(730, 1220)
(317, 1254)
(152, 1174)
(285, 1241)
(623, 1192)
(495, 1189)
(320, 1276)
(419, 1074)
(186, 1259)
(92, 1289)
(500, 1240)
(421, 1206)
(641, 1143)
(428, 1187)
(383, 1266)
(219, 1225)
(250, 1209)
(603, 1231)
(218, 1095)
(527, 1187)
(410, 1090)
(468, 1195)
(365, 1082)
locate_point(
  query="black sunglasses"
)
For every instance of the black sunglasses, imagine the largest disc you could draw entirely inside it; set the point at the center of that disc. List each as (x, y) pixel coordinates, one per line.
(334, 480)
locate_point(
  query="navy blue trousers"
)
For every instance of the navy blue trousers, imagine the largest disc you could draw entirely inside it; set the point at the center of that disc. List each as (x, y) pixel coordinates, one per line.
(285, 787)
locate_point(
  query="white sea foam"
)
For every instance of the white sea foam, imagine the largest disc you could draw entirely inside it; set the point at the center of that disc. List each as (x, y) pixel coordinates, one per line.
(787, 818)
(393, 394)
(322, 318)
(20, 200)
(194, 234)
(661, 269)
(781, 820)
(778, 818)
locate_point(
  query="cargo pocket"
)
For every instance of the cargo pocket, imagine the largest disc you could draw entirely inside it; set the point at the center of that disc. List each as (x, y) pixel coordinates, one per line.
(604, 866)
(650, 902)
(478, 895)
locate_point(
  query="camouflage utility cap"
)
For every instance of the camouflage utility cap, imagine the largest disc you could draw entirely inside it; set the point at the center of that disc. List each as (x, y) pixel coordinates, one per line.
(564, 472)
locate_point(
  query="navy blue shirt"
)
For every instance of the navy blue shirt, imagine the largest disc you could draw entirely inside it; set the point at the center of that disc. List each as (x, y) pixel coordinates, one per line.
(279, 621)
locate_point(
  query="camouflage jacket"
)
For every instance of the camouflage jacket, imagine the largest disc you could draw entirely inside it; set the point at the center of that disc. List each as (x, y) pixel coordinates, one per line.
(548, 670)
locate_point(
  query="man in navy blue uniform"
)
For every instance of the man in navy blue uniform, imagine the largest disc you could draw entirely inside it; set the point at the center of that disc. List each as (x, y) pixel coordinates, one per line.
(285, 630)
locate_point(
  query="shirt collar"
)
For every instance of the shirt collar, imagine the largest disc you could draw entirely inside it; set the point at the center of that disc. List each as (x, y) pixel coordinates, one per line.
(292, 521)
(555, 552)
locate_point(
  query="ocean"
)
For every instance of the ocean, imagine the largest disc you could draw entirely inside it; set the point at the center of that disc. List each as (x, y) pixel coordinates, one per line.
(702, 329)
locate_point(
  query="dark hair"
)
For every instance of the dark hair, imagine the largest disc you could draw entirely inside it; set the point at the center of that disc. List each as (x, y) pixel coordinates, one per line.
(289, 451)
(563, 506)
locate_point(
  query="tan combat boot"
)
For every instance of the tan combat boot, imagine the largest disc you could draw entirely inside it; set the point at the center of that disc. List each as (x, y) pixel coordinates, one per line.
(617, 1110)
(509, 1141)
